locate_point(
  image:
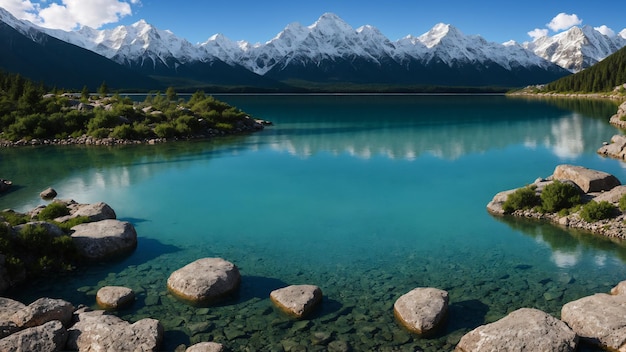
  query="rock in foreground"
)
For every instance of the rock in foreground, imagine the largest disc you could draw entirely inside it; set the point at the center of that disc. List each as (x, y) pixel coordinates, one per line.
(598, 319)
(422, 310)
(525, 329)
(204, 280)
(98, 331)
(103, 239)
(297, 300)
(49, 337)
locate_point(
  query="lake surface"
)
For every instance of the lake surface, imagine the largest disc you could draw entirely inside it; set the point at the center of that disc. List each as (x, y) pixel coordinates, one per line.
(365, 196)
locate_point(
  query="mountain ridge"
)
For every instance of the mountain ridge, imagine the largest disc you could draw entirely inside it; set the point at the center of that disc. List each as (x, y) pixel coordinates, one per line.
(328, 51)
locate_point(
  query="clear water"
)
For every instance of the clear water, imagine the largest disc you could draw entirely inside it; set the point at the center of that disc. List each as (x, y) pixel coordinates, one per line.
(367, 197)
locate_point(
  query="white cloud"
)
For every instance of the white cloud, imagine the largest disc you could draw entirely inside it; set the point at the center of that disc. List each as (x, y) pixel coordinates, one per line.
(605, 30)
(564, 21)
(71, 14)
(538, 33)
(22, 9)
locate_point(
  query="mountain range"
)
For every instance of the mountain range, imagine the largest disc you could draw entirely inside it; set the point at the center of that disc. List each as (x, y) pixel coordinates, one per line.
(325, 55)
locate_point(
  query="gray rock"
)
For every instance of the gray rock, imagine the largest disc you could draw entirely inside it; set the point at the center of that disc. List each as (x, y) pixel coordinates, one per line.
(588, 180)
(51, 228)
(114, 297)
(98, 331)
(612, 196)
(297, 300)
(48, 193)
(8, 307)
(495, 205)
(95, 212)
(103, 239)
(422, 310)
(598, 319)
(525, 329)
(48, 337)
(204, 280)
(620, 289)
(206, 347)
(42, 311)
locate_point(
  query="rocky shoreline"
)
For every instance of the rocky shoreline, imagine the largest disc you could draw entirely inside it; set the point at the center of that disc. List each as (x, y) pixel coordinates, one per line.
(92, 141)
(593, 185)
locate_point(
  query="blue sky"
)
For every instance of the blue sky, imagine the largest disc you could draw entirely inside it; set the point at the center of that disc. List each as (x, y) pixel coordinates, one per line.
(260, 21)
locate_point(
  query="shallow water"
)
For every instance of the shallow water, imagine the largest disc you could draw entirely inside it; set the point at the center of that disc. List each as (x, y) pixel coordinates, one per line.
(365, 196)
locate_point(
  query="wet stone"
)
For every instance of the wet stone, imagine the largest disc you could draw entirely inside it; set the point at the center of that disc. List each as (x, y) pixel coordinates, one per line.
(232, 333)
(338, 346)
(321, 337)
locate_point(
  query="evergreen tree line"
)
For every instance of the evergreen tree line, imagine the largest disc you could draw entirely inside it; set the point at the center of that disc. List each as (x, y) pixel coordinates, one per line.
(27, 112)
(601, 77)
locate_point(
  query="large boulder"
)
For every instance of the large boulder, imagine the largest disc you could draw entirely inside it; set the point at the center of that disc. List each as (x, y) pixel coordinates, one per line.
(588, 180)
(49, 337)
(204, 280)
(612, 196)
(114, 297)
(98, 331)
(105, 238)
(422, 310)
(42, 311)
(525, 329)
(8, 307)
(598, 319)
(297, 300)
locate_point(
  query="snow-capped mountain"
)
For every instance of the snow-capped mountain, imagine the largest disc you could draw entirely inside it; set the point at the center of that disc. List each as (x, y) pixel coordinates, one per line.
(330, 50)
(577, 48)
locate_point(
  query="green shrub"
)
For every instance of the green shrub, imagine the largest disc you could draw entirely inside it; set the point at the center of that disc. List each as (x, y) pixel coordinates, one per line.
(522, 198)
(124, 131)
(622, 203)
(67, 226)
(595, 211)
(53, 211)
(14, 218)
(164, 130)
(559, 195)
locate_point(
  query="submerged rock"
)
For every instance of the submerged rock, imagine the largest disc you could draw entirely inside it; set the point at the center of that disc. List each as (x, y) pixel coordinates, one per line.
(297, 300)
(422, 310)
(204, 280)
(206, 347)
(525, 329)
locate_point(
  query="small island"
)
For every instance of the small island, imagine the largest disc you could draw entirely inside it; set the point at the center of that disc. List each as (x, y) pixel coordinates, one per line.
(30, 115)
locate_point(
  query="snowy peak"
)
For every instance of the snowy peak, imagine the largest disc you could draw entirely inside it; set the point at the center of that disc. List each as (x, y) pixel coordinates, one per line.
(576, 48)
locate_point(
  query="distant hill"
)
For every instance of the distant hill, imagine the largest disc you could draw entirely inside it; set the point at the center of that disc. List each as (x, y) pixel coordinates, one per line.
(41, 57)
(601, 77)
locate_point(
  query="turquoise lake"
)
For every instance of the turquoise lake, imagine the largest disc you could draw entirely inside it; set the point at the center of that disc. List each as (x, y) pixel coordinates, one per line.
(366, 196)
